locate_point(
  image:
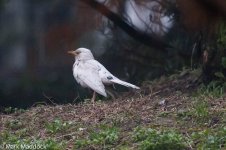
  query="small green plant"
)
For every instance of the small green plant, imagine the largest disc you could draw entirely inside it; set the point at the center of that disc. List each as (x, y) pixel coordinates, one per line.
(210, 140)
(8, 140)
(9, 110)
(52, 144)
(221, 44)
(220, 74)
(106, 136)
(201, 109)
(151, 139)
(14, 124)
(163, 114)
(213, 90)
(183, 114)
(57, 125)
(221, 40)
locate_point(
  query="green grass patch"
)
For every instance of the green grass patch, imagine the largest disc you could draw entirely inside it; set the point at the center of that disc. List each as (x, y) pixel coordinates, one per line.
(214, 89)
(209, 139)
(104, 136)
(57, 125)
(152, 139)
(12, 141)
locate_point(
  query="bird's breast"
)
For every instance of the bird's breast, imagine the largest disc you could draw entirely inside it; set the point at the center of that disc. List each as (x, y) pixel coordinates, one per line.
(76, 72)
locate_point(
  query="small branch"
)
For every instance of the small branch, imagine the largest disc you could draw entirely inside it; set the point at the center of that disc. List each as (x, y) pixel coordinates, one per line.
(48, 98)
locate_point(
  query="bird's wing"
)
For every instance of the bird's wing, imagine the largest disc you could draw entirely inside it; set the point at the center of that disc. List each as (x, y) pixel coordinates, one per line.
(104, 74)
(108, 78)
(88, 73)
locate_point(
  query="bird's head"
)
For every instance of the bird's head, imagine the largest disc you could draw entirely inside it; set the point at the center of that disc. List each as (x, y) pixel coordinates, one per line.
(82, 54)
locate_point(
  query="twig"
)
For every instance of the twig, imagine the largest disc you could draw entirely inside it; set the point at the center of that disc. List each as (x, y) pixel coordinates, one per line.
(48, 98)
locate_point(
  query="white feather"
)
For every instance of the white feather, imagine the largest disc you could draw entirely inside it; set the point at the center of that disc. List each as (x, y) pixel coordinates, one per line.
(118, 81)
(87, 75)
(104, 74)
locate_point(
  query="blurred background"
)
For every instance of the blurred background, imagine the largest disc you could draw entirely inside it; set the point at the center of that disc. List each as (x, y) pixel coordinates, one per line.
(137, 40)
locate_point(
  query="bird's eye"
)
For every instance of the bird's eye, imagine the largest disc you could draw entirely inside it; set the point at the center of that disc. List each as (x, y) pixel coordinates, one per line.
(77, 52)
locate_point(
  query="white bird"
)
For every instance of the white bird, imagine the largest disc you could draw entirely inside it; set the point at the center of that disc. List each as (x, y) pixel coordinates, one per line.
(88, 72)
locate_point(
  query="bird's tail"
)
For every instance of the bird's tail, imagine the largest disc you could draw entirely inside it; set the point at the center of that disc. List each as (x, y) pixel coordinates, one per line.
(124, 83)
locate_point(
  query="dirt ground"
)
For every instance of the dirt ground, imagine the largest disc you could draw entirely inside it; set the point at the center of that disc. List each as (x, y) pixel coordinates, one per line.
(166, 103)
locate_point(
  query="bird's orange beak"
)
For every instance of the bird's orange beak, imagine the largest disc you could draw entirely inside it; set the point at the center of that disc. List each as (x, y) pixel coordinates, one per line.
(72, 52)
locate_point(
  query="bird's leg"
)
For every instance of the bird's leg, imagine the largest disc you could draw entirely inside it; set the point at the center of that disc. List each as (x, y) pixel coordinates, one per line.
(111, 94)
(94, 97)
(113, 86)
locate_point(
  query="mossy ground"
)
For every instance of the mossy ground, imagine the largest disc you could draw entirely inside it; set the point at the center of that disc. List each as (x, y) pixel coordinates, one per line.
(172, 112)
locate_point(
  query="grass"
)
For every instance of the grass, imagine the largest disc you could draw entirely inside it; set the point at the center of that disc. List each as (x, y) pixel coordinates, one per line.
(174, 113)
(208, 139)
(105, 137)
(57, 125)
(152, 139)
(14, 142)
